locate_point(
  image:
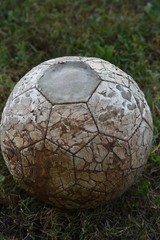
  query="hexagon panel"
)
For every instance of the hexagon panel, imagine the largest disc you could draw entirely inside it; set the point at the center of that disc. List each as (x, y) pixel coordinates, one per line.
(71, 126)
(94, 163)
(47, 168)
(140, 144)
(115, 110)
(29, 80)
(25, 121)
(108, 72)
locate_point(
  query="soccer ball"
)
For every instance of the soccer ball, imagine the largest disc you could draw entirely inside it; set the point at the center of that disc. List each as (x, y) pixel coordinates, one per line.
(76, 132)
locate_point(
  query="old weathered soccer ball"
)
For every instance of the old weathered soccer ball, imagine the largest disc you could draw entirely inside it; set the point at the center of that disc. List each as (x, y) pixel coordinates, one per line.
(76, 132)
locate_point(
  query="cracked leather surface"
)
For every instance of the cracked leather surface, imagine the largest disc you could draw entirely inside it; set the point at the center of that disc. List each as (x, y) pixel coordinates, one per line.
(76, 149)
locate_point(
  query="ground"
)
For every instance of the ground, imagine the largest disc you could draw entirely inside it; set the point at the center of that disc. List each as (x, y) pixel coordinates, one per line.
(127, 34)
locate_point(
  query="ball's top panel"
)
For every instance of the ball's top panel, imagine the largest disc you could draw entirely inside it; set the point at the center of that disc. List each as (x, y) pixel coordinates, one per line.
(68, 82)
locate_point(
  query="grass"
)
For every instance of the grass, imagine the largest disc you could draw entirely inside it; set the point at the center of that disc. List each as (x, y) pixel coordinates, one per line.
(126, 33)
